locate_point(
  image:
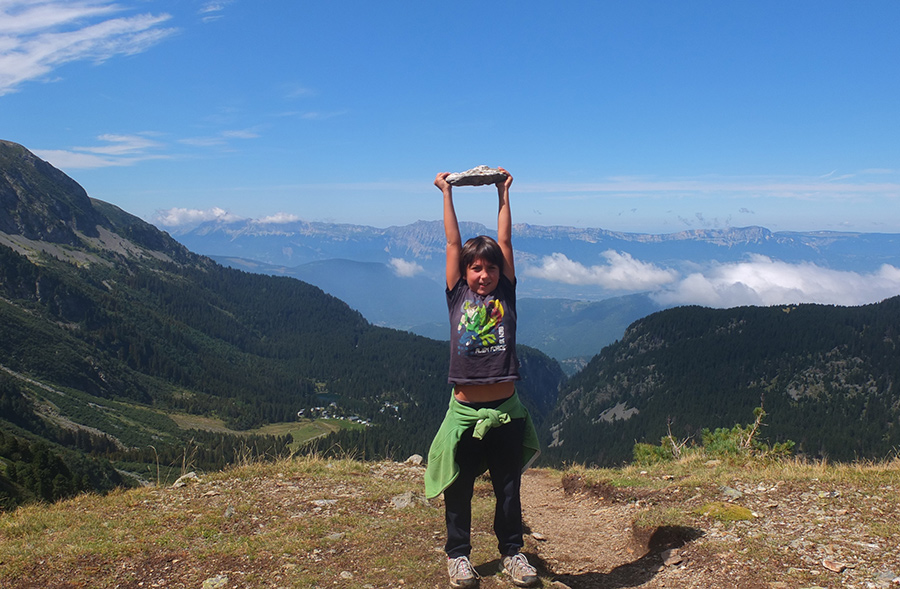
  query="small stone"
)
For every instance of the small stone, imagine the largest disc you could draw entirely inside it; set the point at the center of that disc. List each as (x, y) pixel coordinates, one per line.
(415, 460)
(216, 582)
(404, 500)
(731, 494)
(346, 575)
(229, 512)
(837, 567)
(185, 479)
(477, 176)
(538, 536)
(671, 557)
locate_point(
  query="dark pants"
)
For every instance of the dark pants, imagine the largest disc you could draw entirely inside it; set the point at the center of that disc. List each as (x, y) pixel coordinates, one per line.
(501, 447)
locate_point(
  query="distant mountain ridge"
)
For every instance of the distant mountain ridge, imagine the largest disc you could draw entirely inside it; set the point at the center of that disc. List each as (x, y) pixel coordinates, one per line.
(323, 253)
(299, 242)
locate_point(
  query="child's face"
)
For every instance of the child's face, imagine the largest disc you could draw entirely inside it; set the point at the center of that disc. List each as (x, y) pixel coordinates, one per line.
(482, 276)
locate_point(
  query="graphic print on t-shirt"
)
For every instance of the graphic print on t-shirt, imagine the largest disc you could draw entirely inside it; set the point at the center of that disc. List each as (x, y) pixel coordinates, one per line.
(480, 328)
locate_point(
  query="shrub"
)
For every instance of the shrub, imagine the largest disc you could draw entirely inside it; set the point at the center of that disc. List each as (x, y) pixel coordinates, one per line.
(737, 441)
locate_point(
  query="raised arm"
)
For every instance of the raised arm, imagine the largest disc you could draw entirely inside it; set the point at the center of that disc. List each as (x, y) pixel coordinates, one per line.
(504, 227)
(451, 230)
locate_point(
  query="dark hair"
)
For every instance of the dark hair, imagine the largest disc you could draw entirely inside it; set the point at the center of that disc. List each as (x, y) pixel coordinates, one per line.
(481, 247)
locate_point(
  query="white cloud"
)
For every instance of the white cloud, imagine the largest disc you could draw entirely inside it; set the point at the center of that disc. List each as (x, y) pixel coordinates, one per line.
(121, 150)
(127, 150)
(241, 134)
(70, 160)
(37, 37)
(405, 269)
(210, 11)
(121, 145)
(763, 281)
(220, 139)
(296, 91)
(321, 116)
(211, 141)
(178, 217)
(279, 218)
(622, 272)
(758, 281)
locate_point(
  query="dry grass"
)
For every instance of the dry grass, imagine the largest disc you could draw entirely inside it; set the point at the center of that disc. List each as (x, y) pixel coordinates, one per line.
(311, 522)
(790, 522)
(698, 470)
(295, 523)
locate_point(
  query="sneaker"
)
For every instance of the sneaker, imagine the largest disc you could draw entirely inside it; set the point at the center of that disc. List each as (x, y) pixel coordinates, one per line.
(462, 573)
(520, 572)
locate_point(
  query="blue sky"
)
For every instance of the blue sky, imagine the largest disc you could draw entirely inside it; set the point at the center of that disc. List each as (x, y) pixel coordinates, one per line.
(627, 115)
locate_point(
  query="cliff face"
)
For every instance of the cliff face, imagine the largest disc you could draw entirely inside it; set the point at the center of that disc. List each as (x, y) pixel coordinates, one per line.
(40, 202)
(42, 208)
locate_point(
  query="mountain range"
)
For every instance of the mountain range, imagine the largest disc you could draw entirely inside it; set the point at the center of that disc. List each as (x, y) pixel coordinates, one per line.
(564, 272)
(293, 243)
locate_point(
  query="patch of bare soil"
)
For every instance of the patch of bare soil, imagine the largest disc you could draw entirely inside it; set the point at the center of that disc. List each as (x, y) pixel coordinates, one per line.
(585, 540)
(800, 537)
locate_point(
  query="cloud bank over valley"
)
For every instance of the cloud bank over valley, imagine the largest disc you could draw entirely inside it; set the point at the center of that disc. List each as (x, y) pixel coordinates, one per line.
(765, 282)
(759, 280)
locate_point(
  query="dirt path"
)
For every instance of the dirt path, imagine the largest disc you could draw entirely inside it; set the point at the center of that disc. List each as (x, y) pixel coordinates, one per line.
(586, 542)
(582, 540)
(576, 534)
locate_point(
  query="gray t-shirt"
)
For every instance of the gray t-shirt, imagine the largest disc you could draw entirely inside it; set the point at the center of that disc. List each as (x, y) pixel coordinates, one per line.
(483, 334)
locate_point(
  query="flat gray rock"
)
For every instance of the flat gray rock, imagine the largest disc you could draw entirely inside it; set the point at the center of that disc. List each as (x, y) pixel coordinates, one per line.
(477, 176)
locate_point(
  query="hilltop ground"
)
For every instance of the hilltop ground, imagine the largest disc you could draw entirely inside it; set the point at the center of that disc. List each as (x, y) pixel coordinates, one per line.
(317, 523)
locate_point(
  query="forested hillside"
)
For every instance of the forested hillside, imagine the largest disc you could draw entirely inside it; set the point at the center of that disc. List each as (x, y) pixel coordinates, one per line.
(108, 328)
(828, 377)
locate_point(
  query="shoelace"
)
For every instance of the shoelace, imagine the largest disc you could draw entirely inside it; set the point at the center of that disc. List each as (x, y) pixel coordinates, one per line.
(462, 566)
(518, 565)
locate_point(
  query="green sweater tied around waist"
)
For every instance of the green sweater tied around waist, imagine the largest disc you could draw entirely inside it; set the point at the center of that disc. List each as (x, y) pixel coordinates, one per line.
(442, 468)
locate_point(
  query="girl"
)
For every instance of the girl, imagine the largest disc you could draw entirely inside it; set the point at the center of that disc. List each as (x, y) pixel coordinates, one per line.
(486, 427)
